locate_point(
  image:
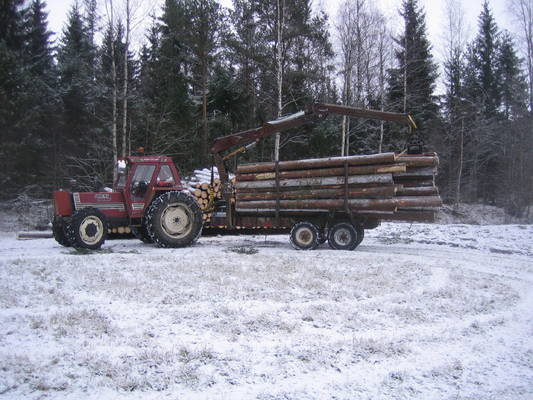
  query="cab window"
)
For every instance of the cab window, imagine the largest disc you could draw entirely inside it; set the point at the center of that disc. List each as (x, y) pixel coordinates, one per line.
(141, 179)
(165, 178)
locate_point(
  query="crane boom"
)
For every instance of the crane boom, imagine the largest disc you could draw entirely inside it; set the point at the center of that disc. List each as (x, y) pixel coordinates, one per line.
(313, 113)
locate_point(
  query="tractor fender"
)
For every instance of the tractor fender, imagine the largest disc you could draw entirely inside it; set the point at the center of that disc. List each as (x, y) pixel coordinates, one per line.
(63, 204)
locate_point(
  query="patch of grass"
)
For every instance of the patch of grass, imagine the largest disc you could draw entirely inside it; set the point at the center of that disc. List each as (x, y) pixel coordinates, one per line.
(243, 250)
(84, 252)
(127, 251)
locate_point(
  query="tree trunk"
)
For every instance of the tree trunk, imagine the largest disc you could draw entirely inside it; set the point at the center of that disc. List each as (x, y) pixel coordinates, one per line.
(460, 168)
(279, 69)
(125, 82)
(114, 100)
(205, 130)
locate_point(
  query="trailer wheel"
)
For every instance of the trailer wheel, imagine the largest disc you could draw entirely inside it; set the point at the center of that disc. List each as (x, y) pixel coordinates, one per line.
(305, 236)
(59, 230)
(88, 229)
(342, 236)
(141, 233)
(174, 219)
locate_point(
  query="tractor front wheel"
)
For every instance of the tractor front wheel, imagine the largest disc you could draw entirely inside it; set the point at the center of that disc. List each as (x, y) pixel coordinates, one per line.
(174, 219)
(141, 233)
(88, 229)
(60, 231)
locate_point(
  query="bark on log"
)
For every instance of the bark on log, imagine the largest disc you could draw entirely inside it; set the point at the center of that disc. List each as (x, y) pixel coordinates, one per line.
(306, 173)
(329, 204)
(35, 235)
(419, 161)
(407, 181)
(369, 193)
(418, 201)
(382, 158)
(337, 180)
(416, 172)
(418, 191)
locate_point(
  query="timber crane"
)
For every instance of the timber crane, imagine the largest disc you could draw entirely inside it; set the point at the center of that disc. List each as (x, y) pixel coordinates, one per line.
(313, 113)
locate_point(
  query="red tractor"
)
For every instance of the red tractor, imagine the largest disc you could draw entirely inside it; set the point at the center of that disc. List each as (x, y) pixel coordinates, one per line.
(147, 199)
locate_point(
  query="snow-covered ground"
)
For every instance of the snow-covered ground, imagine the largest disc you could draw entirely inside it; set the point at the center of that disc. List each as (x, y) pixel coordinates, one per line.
(416, 312)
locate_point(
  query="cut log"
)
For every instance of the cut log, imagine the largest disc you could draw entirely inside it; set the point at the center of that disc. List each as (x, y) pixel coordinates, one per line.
(364, 170)
(369, 193)
(35, 235)
(423, 172)
(381, 158)
(407, 181)
(418, 201)
(419, 161)
(418, 191)
(337, 180)
(330, 204)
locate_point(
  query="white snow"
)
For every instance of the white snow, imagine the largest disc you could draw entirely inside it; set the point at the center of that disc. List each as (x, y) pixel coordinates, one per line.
(416, 312)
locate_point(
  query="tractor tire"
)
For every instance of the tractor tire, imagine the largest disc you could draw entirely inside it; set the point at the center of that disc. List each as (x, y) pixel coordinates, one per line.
(305, 236)
(360, 234)
(342, 236)
(88, 229)
(174, 219)
(141, 233)
(60, 231)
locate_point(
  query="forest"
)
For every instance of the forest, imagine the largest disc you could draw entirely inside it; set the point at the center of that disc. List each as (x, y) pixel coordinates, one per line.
(70, 106)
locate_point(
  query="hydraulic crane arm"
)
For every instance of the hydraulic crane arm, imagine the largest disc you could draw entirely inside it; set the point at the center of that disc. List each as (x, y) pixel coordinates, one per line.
(322, 110)
(313, 113)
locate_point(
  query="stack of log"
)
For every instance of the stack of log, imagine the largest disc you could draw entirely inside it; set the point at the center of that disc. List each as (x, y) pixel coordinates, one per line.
(386, 186)
(205, 193)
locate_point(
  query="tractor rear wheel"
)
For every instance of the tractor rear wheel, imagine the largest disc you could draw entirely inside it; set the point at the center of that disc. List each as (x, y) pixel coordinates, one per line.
(141, 233)
(174, 219)
(342, 236)
(60, 231)
(360, 234)
(305, 236)
(88, 229)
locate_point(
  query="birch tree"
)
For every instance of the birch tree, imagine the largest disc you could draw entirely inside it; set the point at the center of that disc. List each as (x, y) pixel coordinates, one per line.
(523, 12)
(364, 41)
(280, 22)
(454, 48)
(111, 23)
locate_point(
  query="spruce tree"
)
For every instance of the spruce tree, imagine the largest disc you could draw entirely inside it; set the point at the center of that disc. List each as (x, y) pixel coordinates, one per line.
(27, 120)
(512, 82)
(412, 83)
(202, 39)
(78, 95)
(166, 109)
(13, 94)
(485, 90)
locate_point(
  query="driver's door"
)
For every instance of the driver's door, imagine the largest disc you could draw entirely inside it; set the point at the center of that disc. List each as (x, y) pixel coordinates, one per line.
(137, 189)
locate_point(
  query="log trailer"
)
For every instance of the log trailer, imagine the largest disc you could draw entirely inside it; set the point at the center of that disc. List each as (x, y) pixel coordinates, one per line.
(320, 202)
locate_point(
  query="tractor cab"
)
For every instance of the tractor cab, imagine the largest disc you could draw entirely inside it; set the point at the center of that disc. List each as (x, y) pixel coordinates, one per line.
(142, 178)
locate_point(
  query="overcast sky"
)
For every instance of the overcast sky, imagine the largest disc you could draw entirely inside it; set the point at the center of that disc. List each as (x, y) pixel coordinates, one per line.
(434, 14)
